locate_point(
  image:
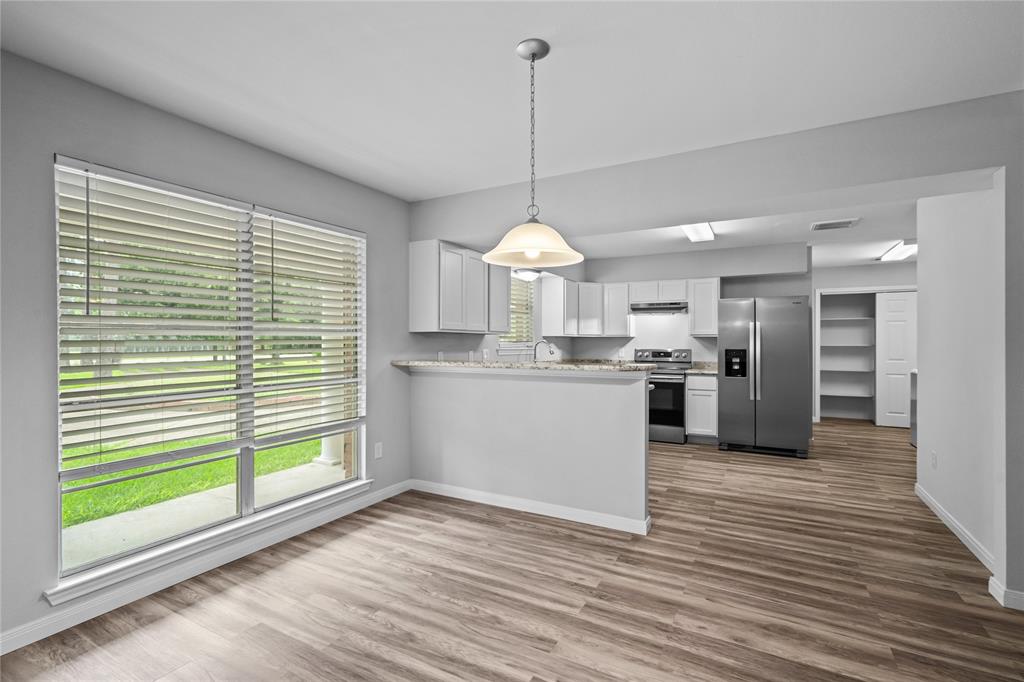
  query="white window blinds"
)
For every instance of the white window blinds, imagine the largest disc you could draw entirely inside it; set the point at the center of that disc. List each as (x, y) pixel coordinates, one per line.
(308, 330)
(188, 326)
(520, 313)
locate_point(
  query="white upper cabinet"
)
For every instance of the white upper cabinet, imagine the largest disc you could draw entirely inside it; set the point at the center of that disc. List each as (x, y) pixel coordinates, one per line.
(643, 292)
(499, 293)
(449, 290)
(570, 308)
(703, 306)
(453, 289)
(616, 309)
(672, 290)
(656, 291)
(474, 288)
(591, 309)
(558, 295)
(571, 318)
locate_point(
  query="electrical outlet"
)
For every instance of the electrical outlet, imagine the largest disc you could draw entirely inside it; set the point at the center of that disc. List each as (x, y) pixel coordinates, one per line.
(472, 355)
(486, 353)
(935, 460)
(622, 353)
(378, 450)
(440, 356)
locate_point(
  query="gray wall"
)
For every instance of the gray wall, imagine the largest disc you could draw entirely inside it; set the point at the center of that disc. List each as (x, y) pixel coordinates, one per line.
(767, 285)
(44, 112)
(782, 258)
(962, 414)
(875, 274)
(763, 177)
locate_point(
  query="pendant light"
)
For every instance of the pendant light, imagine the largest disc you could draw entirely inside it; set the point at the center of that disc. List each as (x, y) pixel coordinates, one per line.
(533, 244)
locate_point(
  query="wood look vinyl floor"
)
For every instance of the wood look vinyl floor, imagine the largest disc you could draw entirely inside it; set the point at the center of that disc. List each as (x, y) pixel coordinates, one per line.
(757, 568)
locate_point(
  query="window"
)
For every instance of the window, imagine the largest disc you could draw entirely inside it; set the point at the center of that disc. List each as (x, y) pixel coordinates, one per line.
(210, 360)
(521, 317)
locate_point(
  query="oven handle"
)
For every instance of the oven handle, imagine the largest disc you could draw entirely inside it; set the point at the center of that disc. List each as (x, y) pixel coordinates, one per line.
(659, 380)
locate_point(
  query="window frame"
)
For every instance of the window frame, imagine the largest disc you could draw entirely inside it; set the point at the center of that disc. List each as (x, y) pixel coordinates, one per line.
(521, 347)
(242, 448)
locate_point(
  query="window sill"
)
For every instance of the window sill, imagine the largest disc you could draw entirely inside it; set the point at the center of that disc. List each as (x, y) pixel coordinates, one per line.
(509, 349)
(100, 577)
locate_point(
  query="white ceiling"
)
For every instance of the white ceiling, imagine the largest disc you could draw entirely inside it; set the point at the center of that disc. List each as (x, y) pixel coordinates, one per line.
(880, 226)
(425, 99)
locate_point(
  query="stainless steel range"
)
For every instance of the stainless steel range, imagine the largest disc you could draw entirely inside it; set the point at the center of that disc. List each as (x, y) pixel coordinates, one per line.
(666, 392)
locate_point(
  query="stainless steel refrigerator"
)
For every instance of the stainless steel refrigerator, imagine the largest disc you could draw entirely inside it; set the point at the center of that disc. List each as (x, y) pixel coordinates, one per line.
(764, 374)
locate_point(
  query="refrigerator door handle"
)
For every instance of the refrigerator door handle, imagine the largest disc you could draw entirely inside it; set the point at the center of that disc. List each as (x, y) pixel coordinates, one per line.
(750, 350)
(757, 357)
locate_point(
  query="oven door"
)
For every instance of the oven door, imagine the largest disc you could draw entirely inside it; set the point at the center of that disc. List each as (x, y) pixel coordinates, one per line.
(667, 409)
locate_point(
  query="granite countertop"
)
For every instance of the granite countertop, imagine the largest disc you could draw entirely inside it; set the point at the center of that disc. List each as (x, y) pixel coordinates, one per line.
(565, 365)
(703, 368)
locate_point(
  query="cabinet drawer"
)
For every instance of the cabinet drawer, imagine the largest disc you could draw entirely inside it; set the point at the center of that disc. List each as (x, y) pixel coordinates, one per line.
(698, 382)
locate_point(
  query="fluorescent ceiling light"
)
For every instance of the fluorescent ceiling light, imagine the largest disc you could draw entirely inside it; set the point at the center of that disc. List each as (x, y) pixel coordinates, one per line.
(902, 250)
(700, 232)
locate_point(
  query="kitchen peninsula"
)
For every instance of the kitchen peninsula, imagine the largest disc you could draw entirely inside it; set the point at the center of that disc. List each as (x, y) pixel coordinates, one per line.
(562, 439)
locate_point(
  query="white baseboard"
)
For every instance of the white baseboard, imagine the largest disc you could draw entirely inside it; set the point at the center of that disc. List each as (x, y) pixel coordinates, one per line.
(984, 555)
(78, 610)
(635, 526)
(86, 607)
(1011, 599)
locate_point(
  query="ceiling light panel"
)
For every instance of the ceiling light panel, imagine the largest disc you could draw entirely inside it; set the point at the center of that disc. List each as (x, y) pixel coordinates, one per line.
(699, 232)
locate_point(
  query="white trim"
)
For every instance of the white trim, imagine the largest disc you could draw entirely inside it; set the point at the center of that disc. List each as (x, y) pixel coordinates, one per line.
(635, 526)
(1011, 599)
(977, 549)
(283, 527)
(146, 182)
(87, 582)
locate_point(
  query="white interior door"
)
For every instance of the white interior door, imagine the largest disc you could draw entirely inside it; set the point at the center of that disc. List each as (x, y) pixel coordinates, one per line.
(895, 356)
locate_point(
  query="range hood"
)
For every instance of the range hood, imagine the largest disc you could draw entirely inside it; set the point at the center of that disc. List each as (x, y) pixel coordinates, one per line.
(658, 307)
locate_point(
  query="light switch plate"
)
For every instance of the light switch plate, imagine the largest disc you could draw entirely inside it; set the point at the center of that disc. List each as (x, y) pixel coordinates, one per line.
(378, 450)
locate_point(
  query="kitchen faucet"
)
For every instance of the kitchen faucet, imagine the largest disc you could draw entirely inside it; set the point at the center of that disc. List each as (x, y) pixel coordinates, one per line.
(551, 351)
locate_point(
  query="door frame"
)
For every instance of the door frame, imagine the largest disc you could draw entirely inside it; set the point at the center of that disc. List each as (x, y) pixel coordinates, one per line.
(816, 329)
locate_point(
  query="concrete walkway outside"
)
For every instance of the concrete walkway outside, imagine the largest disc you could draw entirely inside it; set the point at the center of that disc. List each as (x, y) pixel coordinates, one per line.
(92, 540)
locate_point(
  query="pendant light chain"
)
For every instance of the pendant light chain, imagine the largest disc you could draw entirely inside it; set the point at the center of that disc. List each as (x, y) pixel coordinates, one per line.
(533, 210)
(532, 246)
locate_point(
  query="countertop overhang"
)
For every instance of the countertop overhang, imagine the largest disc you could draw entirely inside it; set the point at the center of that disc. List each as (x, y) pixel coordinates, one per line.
(611, 370)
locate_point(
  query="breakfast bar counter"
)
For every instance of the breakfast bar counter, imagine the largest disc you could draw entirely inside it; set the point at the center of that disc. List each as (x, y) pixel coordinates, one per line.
(562, 439)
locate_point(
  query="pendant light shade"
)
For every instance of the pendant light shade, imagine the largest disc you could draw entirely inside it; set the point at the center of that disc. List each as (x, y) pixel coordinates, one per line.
(533, 244)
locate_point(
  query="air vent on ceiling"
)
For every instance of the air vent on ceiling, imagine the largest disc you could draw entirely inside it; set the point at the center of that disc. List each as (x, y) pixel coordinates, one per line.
(834, 224)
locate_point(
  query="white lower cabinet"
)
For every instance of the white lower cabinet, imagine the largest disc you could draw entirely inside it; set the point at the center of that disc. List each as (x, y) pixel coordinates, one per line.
(701, 405)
